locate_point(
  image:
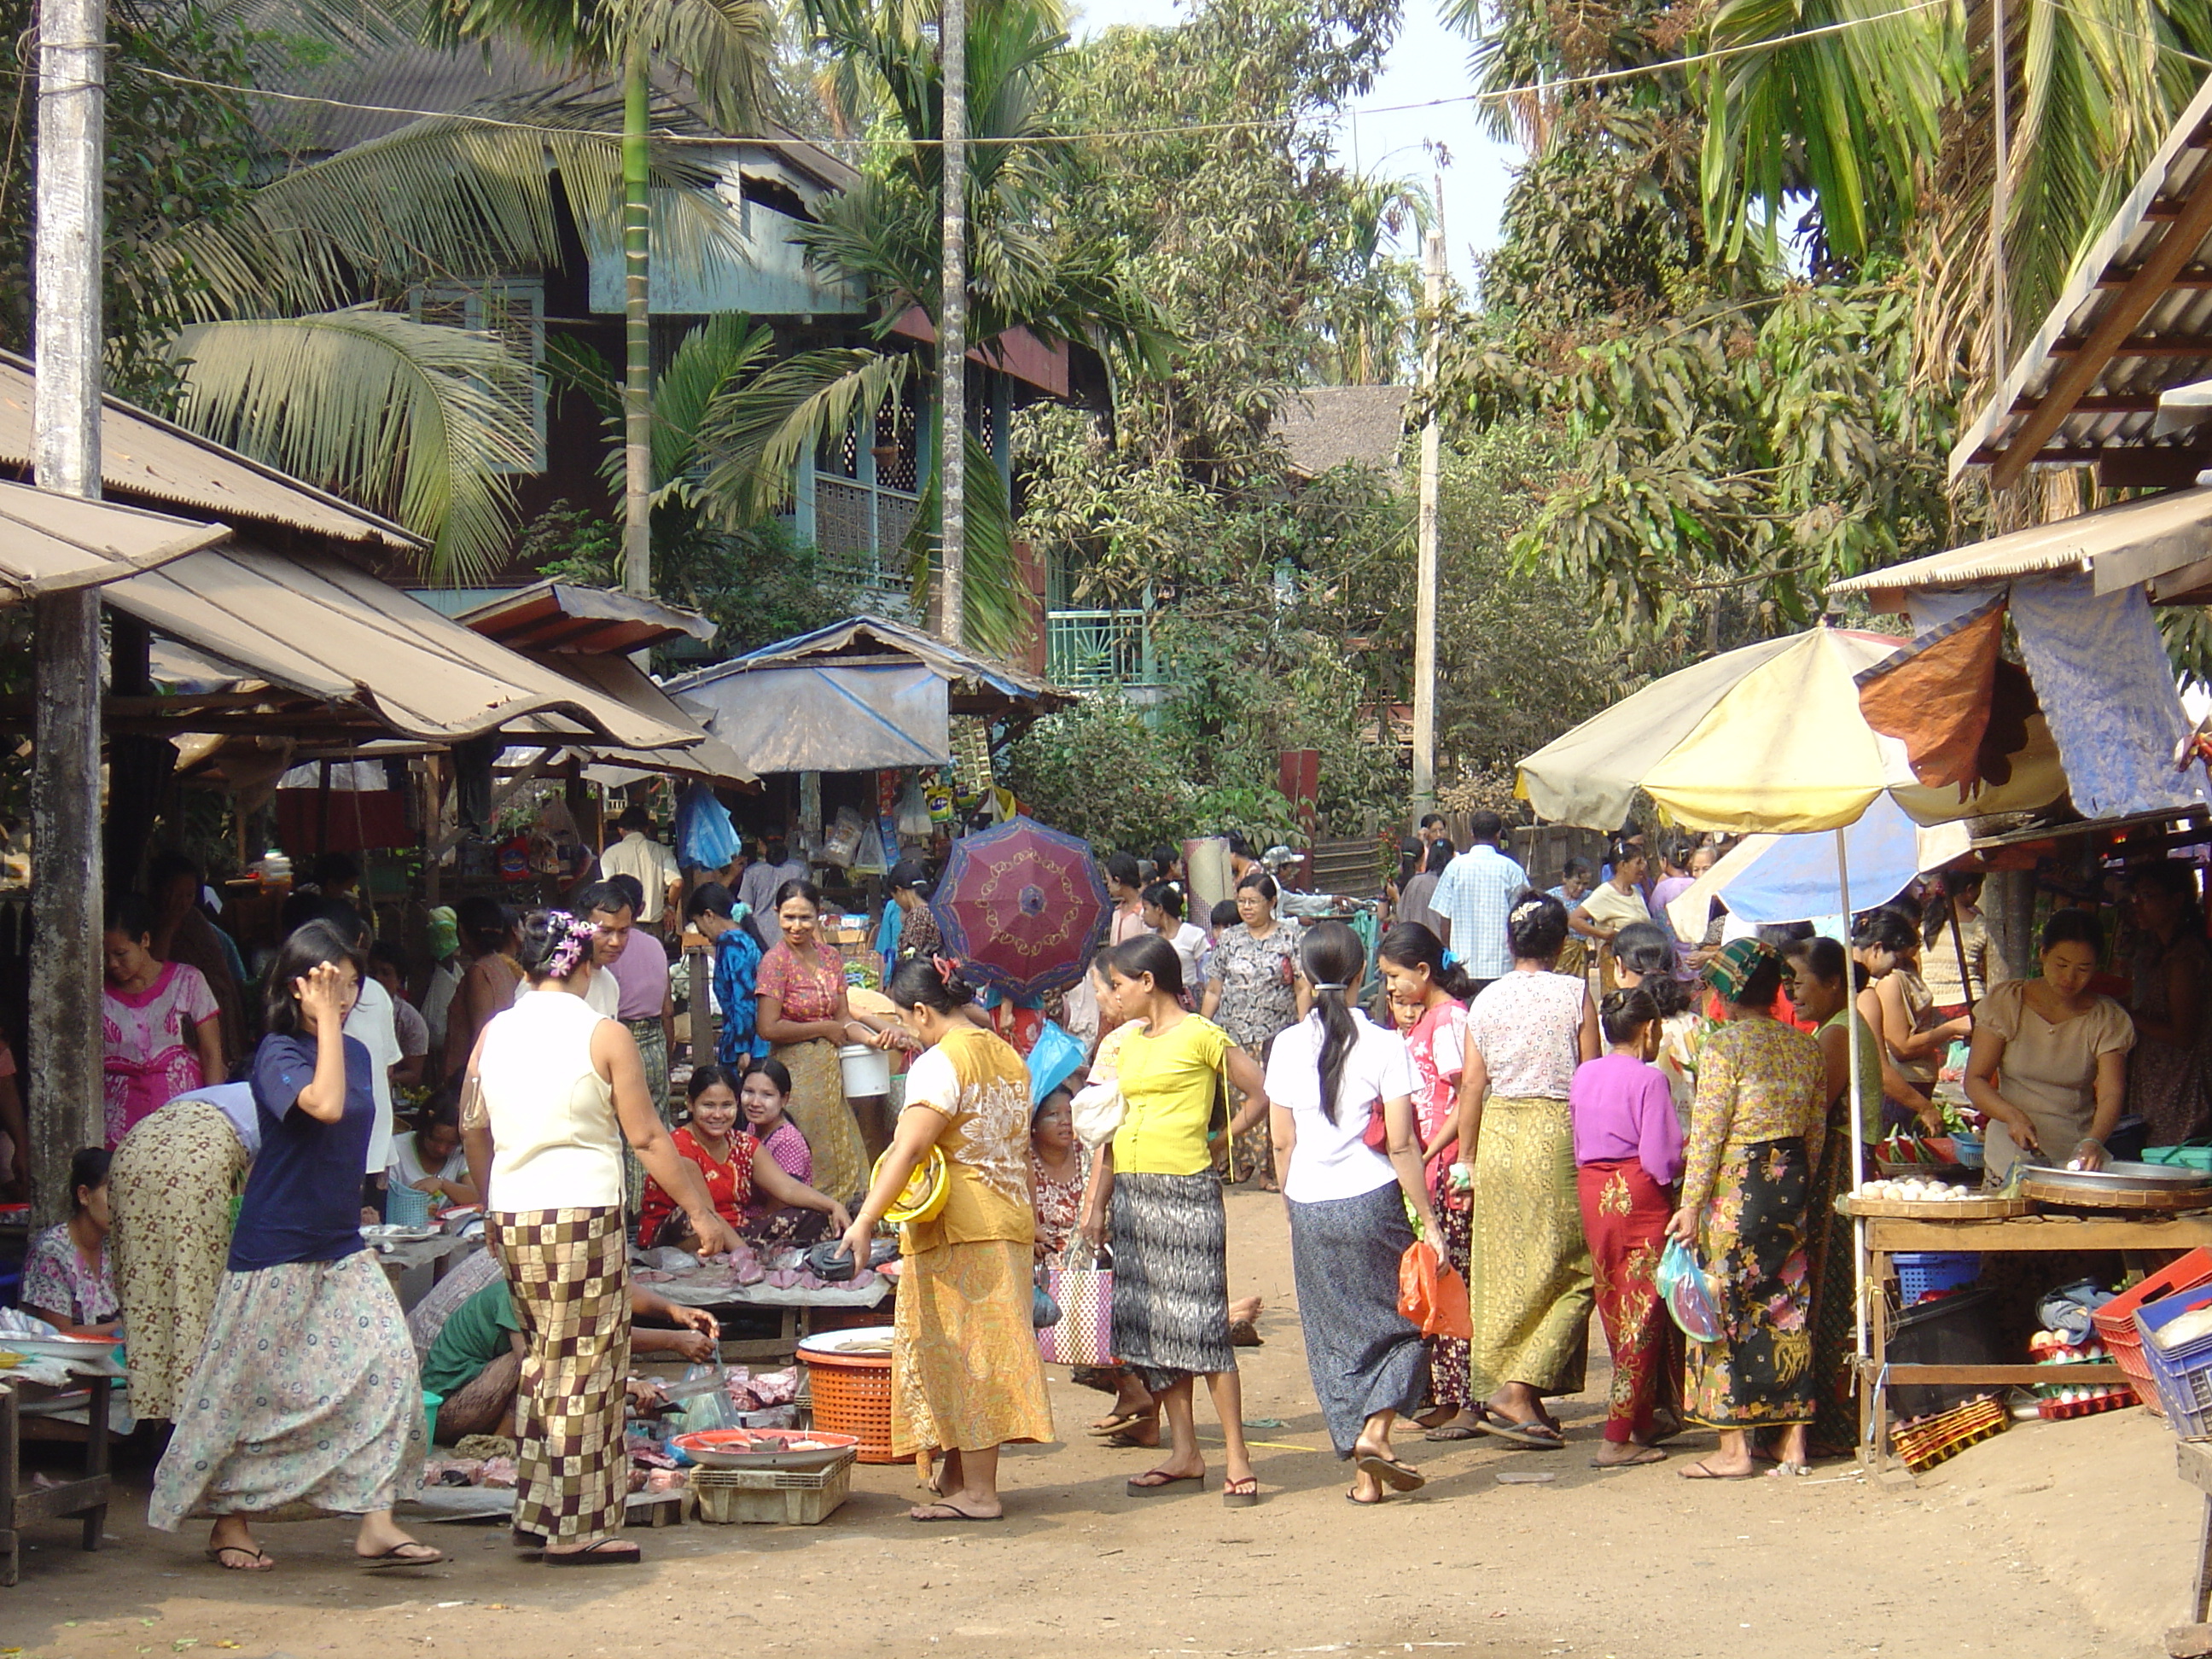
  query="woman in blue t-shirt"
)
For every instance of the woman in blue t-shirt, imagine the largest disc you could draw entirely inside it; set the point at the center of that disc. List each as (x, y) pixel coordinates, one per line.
(306, 1400)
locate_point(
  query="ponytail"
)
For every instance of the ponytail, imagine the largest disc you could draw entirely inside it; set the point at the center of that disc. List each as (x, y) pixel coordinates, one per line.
(1334, 961)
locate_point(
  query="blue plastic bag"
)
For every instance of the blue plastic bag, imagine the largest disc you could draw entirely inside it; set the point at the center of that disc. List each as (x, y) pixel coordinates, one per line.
(1689, 1299)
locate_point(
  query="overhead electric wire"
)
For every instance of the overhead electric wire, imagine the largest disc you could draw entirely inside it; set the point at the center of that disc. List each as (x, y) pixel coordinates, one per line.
(1601, 77)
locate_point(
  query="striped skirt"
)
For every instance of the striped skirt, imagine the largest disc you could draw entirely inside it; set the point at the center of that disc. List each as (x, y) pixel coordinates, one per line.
(1363, 1355)
(569, 1274)
(1171, 1278)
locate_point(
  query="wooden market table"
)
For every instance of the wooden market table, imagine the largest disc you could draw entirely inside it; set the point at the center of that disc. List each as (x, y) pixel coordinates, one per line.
(85, 1498)
(1887, 1234)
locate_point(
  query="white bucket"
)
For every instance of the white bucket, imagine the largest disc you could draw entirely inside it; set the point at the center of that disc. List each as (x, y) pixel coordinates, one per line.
(867, 1071)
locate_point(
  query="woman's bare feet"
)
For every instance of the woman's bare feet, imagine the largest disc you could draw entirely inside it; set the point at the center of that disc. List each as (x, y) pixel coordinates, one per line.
(232, 1547)
(380, 1541)
(1621, 1453)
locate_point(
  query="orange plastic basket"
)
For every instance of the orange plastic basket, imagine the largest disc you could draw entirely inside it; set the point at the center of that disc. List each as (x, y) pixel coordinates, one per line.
(852, 1395)
(2116, 1320)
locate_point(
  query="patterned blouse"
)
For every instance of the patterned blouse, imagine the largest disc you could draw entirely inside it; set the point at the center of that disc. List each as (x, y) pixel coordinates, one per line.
(1258, 982)
(146, 1039)
(1758, 1079)
(56, 1280)
(1437, 1047)
(978, 1085)
(1528, 1029)
(729, 1184)
(807, 990)
(1058, 1203)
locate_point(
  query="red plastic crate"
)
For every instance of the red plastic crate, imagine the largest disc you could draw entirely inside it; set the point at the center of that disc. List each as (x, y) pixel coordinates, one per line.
(2116, 1320)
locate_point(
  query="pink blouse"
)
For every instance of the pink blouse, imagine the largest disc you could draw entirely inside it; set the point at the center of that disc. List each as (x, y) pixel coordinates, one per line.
(806, 991)
(1437, 1047)
(149, 1049)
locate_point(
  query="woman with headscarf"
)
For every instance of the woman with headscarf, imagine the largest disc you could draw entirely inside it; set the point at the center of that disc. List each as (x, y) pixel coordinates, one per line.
(1760, 1112)
(1532, 1288)
(1329, 1078)
(966, 1378)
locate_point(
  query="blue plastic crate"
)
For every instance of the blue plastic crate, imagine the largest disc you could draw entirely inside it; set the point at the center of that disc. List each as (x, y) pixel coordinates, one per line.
(1921, 1271)
(2183, 1376)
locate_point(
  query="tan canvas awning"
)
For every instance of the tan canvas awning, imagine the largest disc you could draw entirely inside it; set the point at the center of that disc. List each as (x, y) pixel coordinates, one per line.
(319, 627)
(566, 616)
(2165, 540)
(50, 544)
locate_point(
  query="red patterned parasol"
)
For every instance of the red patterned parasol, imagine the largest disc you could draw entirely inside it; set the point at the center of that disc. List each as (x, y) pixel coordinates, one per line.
(1023, 906)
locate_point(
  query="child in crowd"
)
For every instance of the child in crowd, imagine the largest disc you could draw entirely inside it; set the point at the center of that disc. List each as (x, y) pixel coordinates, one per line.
(1628, 1161)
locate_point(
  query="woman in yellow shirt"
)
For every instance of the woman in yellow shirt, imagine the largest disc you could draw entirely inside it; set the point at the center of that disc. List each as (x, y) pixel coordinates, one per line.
(1169, 1233)
(966, 1378)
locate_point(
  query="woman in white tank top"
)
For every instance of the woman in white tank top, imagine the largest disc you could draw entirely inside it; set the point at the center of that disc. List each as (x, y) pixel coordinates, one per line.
(554, 1090)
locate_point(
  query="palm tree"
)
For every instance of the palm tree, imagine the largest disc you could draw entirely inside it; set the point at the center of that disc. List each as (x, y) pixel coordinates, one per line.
(724, 47)
(1027, 269)
(278, 347)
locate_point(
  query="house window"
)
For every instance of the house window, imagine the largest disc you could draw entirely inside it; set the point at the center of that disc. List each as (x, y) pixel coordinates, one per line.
(513, 308)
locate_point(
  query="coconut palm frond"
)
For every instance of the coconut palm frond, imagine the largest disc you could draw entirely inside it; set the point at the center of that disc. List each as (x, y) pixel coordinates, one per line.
(724, 46)
(725, 353)
(992, 611)
(447, 196)
(753, 434)
(421, 422)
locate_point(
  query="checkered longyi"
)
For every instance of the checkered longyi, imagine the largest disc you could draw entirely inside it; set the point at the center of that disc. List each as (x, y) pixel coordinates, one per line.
(569, 1271)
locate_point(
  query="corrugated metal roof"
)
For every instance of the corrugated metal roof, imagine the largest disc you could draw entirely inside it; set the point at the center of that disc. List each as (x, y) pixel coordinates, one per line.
(567, 617)
(868, 637)
(622, 680)
(50, 544)
(317, 626)
(2134, 317)
(2144, 540)
(144, 458)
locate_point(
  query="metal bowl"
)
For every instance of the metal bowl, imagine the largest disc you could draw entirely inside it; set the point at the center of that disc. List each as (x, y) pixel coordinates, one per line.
(764, 1449)
(2122, 1178)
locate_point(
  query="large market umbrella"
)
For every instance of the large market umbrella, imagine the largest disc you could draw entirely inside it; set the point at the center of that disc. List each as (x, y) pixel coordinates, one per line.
(1023, 906)
(1774, 878)
(1766, 738)
(1770, 739)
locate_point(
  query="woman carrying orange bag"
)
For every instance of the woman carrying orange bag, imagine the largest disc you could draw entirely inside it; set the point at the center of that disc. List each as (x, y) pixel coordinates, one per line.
(1328, 1078)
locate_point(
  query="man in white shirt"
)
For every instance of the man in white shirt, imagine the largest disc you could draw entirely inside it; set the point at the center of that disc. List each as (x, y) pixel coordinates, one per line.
(1473, 896)
(373, 1025)
(645, 861)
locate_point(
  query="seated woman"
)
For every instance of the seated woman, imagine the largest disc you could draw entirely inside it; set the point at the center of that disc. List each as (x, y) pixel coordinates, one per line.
(1059, 1172)
(430, 1159)
(474, 1363)
(67, 1279)
(764, 1097)
(734, 1173)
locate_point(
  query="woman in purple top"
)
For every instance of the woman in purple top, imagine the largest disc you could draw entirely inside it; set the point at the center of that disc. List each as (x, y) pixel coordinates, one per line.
(1628, 1158)
(306, 1400)
(763, 1095)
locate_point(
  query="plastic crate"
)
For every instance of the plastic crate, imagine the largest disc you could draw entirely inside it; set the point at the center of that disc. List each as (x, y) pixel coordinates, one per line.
(788, 1497)
(1919, 1271)
(2116, 1320)
(2182, 1374)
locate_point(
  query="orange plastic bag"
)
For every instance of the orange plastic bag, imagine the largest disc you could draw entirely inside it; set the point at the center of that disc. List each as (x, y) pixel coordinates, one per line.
(1431, 1294)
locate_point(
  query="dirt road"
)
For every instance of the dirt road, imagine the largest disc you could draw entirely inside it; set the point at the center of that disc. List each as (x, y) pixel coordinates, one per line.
(2067, 1540)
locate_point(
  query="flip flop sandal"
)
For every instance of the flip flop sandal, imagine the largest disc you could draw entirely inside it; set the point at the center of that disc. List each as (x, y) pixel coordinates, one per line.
(1399, 1477)
(1240, 1494)
(1121, 1424)
(607, 1553)
(397, 1557)
(1243, 1333)
(1130, 1442)
(1152, 1482)
(263, 1561)
(1364, 1502)
(1452, 1431)
(1698, 1471)
(1781, 1467)
(1645, 1455)
(951, 1512)
(1536, 1435)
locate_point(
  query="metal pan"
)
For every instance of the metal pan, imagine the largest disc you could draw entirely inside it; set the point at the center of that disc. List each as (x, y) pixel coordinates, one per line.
(2121, 1178)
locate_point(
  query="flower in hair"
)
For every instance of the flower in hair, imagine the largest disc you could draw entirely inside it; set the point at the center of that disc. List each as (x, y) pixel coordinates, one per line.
(577, 936)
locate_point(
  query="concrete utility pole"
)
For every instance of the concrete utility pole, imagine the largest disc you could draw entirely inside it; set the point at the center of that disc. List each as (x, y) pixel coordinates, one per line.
(65, 1087)
(1424, 572)
(952, 328)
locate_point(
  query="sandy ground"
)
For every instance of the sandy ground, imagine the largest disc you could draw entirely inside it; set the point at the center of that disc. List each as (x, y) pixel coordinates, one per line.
(2053, 1542)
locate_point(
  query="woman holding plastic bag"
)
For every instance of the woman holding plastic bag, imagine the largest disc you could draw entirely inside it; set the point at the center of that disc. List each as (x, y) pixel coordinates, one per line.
(1760, 1108)
(1340, 1092)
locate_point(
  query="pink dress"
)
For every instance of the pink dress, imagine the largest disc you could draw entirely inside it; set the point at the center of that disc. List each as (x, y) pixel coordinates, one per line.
(151, 1054)
(1437, 1047)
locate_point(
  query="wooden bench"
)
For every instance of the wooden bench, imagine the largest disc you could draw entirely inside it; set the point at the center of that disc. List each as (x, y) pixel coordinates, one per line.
(86, 1497)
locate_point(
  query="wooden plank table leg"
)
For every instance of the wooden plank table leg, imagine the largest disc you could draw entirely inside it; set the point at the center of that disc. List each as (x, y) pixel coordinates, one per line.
(10, 1441)
(1878, 1344)
(96, 1457)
